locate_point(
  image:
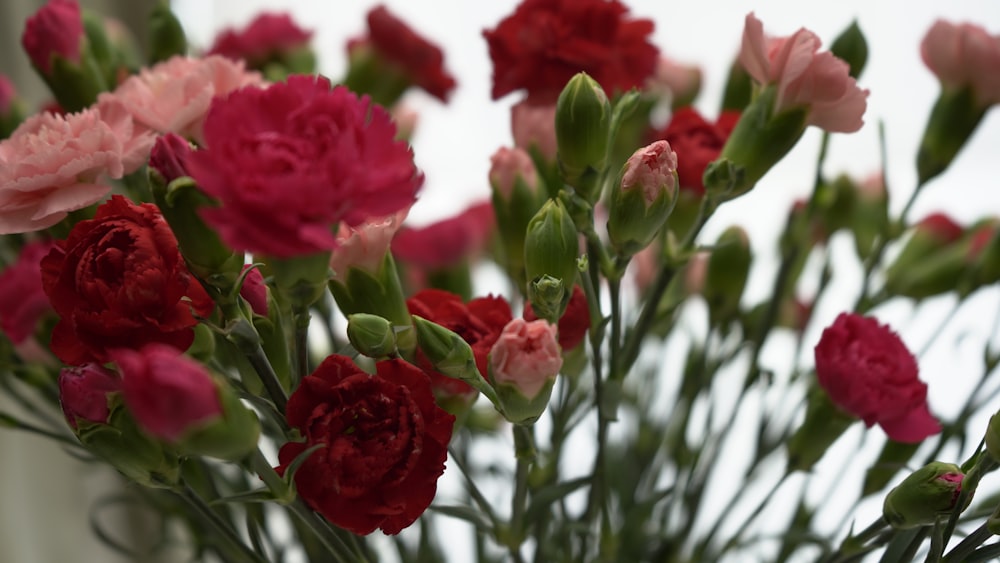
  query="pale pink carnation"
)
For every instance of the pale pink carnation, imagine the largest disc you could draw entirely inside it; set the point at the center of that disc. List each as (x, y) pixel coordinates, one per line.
(136, 142)
(364, 246)
(507, 165)
(652, 169)
(174, 96)
(526, 355)
(534, 126)
(964, 55)
(52, 165)
(804, 77)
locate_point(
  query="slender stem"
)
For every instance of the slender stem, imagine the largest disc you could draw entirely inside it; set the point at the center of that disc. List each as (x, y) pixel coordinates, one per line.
(474, 492)
(226, 531)
(524, 450)
(258, 359)
(301, 320)
(965, 548)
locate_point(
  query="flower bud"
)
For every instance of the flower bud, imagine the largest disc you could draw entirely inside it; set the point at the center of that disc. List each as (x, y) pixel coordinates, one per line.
(83, 393)
(931, 260)
(583, 121)
(726, 275)
(927, 493)
(302, 280)
(517, 196)
(551, 249)
(524, 363)
(850, 46)
(447, 351)
(533, 127)
(993, 437)
(166, 35)
(371, 335)
(254, 291)
(648, 190)
(952, 121)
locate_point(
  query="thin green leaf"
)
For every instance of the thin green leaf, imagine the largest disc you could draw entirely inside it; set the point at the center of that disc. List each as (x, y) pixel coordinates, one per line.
(466, 513)
(543, 498)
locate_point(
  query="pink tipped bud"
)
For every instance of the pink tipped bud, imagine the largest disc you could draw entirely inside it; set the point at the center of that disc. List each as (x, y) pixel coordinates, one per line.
(653, 169)
(534, 127)
(526, 356)
(507, 166)
(55, 29)
(941, 228)
(83, 393)
(254, 291)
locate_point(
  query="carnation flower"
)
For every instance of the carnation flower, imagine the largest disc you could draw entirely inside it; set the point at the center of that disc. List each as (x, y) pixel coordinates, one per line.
(288, 162)
(964, 55)
(544, 43)
(55, 30)
(448, 242)
(22, 299)
(267, 36)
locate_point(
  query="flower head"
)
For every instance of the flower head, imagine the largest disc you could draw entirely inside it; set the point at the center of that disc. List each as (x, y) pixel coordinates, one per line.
(526, 356)
(364, 246)
(507, 167)
(964, 55)
(447, 242)
(384, 443)
(868, 371)
(55, 30)
(22, 299)
(804, 77)
(544, 43)
(288, 162)
(268, 35)
(697, 142)
(84, 390)
(534, 128)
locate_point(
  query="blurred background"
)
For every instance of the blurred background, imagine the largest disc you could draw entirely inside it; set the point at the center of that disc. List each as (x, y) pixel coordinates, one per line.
(49, 498)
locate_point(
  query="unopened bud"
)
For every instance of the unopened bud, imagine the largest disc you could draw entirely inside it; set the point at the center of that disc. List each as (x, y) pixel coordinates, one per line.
(927, 493)
(551, 249)
(646, 196)
(583, 120)
(372, 335)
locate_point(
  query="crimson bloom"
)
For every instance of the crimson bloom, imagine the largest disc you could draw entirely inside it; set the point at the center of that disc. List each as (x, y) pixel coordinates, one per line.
(479, 322)
(22, 299)
(384, 442)
(288, 162)
(84, 390)
(407, 51)
(447, 242)
(868, 372)
(696, 142)
(544, 43)
(118, 281)
(269, 34)
(55, 30)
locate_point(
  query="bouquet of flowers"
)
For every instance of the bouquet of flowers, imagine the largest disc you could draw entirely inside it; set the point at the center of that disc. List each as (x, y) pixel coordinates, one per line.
(206, 266)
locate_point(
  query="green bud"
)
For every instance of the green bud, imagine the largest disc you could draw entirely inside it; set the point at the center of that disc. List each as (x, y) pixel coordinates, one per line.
(549, 298)
(993, 437)
(379, 293)
(953, 119)
(447, 351)
(300, 280)
(726, 275)
(647, 192)
(760, 139)
(930, 262)
(850, 46)
(583, 121)
(372, 335)
(519, 409)
(927, 493)
(166, 35)
(551, 250)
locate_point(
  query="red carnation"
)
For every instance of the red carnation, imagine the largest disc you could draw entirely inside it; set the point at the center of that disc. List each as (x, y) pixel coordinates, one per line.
(118, 281)
(410, 53)
(446, 243)
(696, 142)
(290, 161)
(385, 443)
(479, 323)
(868, 372)
(267, 36)
(574, 323)
(545, 42)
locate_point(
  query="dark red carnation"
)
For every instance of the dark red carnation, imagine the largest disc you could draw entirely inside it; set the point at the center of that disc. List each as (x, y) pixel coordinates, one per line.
(479, 323)
(22, 299)
(867, 371)
(446, 243)
(385, 443)
(268, 36)
(118, 281)
(413, 56)
(574, 323)
(290, 161)
(56, 29)
(696, 142)
(545, 42)
(84, 390)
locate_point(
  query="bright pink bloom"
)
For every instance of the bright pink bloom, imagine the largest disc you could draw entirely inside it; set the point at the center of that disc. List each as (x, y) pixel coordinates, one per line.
(269, 34)
(804, 77)
(446, 243)
(289, 162)
(410, 53)
(364, 246)
(52, 165)
(653, 170)
(868, 372)
(535, 126)
(254, 291)
(507, 165)
(174, 96)
(168, 394)
(526, 356)
(964, 55)
(544, 43)
(84, 390)
(55, 30)
(22, 299)
(7, 95)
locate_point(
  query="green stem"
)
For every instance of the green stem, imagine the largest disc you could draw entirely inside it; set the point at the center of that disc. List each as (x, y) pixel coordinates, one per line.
(224, 529)
(301, 319)
(524, 450)
(258, 359)
(969, 544)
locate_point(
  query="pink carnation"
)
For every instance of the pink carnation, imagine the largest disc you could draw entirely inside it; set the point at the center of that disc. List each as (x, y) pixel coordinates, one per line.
(55, 30)
(652, 169)
(174, 96)
(267, 35)
(509, 165)
(52, 165)
(526, 356)
(364, 246)
(289, 162)
(22, 299)
(964, 55)
(804, 77)
(534, 126)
